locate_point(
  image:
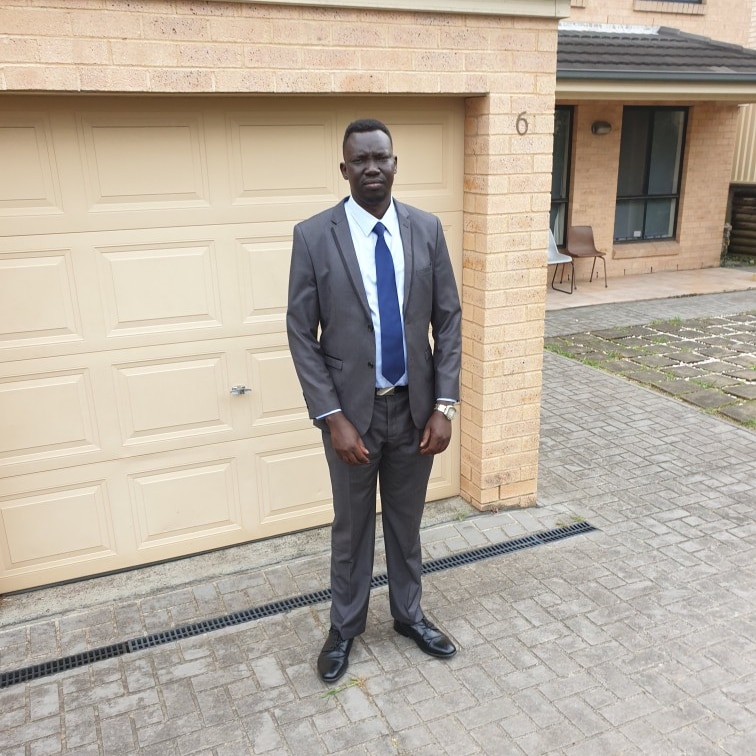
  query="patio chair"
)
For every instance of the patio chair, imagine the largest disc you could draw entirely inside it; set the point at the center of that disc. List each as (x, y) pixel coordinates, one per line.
(580, 244)
(556, 258)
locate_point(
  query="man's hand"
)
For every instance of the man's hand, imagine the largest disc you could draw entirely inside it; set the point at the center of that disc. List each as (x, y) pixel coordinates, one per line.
(346, 441)
(436, 435)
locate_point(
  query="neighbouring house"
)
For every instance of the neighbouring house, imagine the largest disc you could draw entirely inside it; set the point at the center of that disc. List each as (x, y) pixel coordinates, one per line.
(647, 101)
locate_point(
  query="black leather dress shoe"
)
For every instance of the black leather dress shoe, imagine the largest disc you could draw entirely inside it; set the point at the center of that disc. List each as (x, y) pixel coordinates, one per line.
(334, 658)
(428, 638)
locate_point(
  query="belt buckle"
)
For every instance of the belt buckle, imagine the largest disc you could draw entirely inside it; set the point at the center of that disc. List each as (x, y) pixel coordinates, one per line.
(390, 391)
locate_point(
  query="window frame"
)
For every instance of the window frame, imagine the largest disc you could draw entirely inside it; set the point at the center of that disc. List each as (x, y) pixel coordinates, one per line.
(646, 197)
(563, 200)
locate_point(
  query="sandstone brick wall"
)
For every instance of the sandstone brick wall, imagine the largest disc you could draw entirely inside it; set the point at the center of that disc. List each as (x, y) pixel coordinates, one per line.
(503, 66)
(728, 20)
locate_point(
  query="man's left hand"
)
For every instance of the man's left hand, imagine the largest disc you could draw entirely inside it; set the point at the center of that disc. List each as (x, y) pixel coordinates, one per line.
(436, 435)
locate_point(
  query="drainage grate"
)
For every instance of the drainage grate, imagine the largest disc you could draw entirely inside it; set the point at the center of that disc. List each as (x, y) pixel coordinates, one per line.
(66, 663)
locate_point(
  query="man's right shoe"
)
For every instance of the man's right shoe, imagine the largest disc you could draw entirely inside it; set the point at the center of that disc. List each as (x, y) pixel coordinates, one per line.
(334, 658)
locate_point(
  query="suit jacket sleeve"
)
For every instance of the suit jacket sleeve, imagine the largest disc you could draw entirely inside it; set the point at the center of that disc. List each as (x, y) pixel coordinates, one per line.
(302, 323)
(446, 321)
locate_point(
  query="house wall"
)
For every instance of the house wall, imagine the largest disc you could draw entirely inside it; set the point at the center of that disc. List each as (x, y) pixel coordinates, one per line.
(706, 174)
(502, 66)
(728, 20)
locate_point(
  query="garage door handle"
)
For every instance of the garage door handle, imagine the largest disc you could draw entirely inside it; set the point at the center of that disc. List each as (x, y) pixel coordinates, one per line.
(239, 390)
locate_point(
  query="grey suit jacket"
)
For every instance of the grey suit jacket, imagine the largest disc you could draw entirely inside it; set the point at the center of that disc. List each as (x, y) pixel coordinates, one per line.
(330, 330)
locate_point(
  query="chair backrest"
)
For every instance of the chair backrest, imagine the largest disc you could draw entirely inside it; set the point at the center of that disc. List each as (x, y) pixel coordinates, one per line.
(580, 239)
(555, 256)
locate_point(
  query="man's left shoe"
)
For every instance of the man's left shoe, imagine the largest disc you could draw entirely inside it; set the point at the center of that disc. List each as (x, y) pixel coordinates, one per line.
(428, 637)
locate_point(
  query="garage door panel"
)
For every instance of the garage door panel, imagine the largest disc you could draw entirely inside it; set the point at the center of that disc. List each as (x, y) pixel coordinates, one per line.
(52, 314)
(264, 265)
(173, 398)
(37, 532)
(294, 487)
(28, 180)
(282, 155)
(444, 479)
(144, 161)
(277, 395)
(46, 416)
(160, 287)
(186, 503)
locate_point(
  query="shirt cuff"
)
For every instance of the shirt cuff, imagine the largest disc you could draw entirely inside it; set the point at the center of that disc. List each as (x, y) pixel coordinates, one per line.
(325, 414)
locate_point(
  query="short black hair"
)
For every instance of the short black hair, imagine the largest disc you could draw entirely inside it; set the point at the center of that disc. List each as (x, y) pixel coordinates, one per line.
(366, 124)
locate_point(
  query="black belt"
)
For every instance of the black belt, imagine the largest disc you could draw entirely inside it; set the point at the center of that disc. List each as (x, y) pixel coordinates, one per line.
(390, 391)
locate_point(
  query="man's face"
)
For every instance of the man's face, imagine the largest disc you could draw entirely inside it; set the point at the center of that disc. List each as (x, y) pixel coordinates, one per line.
(369, 167)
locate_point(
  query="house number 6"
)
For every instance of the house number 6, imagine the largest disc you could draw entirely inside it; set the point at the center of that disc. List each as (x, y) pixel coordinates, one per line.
(521, 124)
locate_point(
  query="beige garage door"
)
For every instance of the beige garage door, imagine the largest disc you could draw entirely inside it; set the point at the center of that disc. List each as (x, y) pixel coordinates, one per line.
(144, 257)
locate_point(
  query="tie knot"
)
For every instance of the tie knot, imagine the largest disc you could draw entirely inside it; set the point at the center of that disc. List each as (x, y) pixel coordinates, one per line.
(379, 229)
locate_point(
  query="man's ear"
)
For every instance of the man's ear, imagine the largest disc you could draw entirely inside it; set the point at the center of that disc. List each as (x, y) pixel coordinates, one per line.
(342, 168)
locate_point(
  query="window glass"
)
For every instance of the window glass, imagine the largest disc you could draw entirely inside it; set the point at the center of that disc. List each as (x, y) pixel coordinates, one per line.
(634, 143)
(664, 167)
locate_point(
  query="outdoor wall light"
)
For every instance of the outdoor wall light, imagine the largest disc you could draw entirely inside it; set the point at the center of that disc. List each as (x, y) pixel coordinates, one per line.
(601, 127)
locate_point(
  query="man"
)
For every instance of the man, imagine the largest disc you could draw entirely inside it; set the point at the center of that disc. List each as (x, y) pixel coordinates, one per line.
(362, 296)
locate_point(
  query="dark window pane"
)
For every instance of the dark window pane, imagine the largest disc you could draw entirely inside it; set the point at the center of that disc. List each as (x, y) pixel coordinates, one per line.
(666, 147)
(633, 151)
(628, 220)
(560, 171)
(561, 152)
(556, 222)
(660, 218)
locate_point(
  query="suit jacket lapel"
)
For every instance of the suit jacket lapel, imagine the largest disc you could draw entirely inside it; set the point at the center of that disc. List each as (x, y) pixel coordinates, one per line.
(343, 239)
(405, 229)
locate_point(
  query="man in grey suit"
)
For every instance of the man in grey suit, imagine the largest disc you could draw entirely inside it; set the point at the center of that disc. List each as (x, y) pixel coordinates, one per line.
(362, 297)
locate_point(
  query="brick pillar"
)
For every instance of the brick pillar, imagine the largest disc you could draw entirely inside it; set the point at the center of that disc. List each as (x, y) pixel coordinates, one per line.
(507, 184)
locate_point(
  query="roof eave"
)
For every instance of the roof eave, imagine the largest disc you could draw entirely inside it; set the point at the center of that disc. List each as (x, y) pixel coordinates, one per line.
(624, 89)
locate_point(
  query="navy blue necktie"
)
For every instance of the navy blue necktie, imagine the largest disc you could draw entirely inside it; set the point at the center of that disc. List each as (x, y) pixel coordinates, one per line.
(392, 343)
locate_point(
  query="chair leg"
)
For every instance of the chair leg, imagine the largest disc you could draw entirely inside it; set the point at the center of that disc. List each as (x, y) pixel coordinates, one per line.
(593, 268)
(572, 280)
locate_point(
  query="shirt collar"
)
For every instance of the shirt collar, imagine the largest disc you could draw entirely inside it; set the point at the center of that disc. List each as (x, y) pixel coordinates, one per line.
(366, 221)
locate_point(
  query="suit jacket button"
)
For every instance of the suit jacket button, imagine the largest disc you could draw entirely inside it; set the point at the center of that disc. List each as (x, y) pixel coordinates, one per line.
(371, 364)
(370, 328)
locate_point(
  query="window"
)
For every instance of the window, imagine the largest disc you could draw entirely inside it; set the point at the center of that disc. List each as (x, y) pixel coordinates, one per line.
(650, 166)
(560, 171)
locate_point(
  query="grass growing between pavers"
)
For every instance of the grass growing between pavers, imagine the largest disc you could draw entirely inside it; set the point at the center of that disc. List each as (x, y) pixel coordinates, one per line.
(707, 362)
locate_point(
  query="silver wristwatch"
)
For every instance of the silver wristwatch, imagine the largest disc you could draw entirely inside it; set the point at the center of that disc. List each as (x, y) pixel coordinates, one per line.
(447, 410)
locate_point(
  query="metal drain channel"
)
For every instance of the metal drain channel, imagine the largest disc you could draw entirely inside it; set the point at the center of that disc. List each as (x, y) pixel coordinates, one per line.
(25, 674)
